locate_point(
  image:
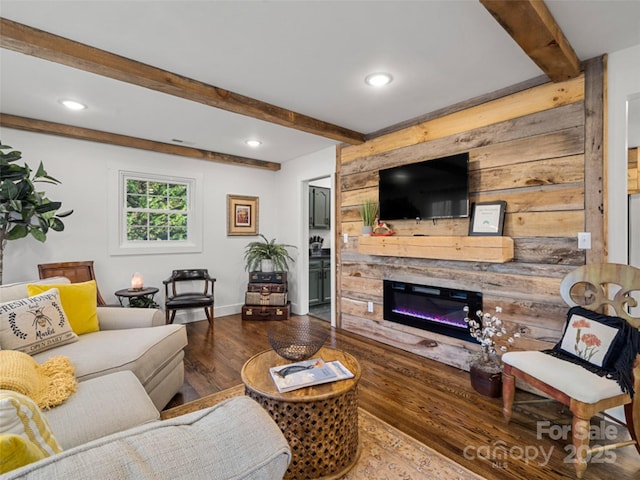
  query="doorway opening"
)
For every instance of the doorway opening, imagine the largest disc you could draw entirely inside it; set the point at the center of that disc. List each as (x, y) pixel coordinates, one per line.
(319, 246)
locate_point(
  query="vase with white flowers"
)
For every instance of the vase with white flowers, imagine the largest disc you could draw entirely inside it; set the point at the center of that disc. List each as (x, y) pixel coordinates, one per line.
(495, 338)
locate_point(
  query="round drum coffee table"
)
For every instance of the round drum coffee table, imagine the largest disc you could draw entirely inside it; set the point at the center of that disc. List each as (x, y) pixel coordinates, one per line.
(320, 422)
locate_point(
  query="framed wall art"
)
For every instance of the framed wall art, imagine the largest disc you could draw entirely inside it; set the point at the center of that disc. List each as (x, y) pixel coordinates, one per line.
(242, 215)
(487, 218)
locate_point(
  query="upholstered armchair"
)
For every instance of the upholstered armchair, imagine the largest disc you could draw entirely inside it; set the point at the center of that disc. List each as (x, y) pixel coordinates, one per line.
(196, 292)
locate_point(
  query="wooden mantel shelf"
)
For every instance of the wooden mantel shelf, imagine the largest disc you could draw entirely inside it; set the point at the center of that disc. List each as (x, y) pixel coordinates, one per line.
(471, 249)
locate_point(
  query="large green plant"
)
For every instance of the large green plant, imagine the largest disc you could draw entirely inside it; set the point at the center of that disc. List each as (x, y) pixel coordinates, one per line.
(24, 210)
(255, 252)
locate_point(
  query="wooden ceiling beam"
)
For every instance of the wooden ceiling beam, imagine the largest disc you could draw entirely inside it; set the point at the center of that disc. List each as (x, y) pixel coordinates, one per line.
(62, 130)
(531, 25)
(31, 41)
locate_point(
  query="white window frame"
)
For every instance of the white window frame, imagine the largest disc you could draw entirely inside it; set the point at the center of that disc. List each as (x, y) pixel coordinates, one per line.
(118, 243)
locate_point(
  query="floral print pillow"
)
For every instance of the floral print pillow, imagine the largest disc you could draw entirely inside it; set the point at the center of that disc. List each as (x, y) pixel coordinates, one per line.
(592, 337)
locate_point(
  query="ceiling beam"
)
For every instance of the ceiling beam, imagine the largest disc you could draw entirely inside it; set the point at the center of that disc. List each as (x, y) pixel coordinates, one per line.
(62, 130)
(531, 25)
(31, 41)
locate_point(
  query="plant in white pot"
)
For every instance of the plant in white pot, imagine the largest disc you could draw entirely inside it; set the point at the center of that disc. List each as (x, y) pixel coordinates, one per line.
(23, 209)
(485, 366)
(267, 256)
(368, 214)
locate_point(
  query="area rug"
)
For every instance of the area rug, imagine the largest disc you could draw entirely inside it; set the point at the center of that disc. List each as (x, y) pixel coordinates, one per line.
(387, 453)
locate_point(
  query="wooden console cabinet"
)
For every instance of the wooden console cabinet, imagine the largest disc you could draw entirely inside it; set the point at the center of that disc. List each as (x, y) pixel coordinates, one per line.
(471, 249)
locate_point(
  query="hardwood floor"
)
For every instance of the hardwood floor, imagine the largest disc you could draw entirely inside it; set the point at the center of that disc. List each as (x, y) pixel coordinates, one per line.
(430, 401)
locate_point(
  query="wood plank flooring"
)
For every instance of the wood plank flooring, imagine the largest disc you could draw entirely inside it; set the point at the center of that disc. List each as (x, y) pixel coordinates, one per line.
(428, 400)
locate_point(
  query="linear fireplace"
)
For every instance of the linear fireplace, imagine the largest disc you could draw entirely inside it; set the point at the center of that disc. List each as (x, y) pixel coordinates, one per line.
(434, 309)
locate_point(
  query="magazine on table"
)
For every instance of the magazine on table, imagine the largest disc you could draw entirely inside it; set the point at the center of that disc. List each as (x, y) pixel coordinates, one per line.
(307, 373)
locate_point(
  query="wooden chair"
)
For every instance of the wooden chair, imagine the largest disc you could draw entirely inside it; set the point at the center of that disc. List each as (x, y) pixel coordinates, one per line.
(176, 298)
(584, 392)
(76, 272)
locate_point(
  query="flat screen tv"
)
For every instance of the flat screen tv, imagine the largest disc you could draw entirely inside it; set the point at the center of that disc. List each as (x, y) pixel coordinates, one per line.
(437, 188)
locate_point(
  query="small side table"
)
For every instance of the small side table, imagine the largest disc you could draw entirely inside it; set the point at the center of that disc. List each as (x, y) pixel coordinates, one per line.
(319, 422)
(148, 293)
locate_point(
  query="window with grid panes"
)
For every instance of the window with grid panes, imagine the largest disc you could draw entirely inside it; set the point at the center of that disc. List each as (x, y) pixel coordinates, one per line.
(156, 210)
(156, 213)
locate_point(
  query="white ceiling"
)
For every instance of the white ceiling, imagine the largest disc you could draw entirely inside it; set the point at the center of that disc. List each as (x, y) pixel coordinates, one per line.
(307, 56)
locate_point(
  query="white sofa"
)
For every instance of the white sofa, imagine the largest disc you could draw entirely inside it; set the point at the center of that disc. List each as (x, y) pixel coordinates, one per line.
(110, 427)
(236, 439)
(124, 342)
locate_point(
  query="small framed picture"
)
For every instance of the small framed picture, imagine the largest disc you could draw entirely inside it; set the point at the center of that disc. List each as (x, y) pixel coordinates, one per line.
(242, 215)
(487, 218)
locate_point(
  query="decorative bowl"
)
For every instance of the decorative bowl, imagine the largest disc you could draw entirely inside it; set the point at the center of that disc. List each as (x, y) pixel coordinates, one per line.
(296, 341)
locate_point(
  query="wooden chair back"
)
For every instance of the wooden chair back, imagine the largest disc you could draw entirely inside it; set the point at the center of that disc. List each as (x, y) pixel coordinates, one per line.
(76, 272)
(601, 286)
(197, 275)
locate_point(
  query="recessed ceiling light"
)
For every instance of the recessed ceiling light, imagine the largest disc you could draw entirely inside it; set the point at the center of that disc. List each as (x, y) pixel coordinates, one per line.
(253, 143)
(378, 79)
(73, 105)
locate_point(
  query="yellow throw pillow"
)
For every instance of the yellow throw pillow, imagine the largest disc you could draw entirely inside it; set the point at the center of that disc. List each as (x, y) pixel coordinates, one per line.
(79, 302)
(35, 324)
(17, 452)
(19, 415)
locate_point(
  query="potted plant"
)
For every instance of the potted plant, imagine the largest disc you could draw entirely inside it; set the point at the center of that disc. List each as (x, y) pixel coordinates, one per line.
(24, 210)
(485, 366)
(368, 214)
(143, 302)
(268, 255)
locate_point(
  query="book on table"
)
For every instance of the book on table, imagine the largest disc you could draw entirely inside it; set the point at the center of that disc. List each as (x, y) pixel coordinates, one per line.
(308, 373)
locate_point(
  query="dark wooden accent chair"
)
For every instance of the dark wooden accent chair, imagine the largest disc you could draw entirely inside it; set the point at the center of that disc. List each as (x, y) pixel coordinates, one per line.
(195, 292)
(76, 272)
(593, 287)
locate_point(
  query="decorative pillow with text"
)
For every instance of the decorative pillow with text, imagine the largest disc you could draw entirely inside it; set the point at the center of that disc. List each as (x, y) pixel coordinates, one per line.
(34, 324)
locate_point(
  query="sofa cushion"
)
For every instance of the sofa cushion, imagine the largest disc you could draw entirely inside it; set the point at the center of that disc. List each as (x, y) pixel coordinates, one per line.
(101, 406)
(17, 452)
(144, 351)
(79, 302)
(34, 324)
(234, 439)
(16, 291)
(572, 379)
(19, 415)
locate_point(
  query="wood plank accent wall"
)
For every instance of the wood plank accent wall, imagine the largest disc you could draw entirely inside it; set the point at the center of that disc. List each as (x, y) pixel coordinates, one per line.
(527, 148)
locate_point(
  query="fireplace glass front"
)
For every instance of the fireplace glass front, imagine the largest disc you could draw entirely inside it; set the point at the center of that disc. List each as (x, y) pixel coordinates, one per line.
(435, 309)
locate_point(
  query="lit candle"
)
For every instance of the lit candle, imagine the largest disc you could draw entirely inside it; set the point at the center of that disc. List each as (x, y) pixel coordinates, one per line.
(137, 282)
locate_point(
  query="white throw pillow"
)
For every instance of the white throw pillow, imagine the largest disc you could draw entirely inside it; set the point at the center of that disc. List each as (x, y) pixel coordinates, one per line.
(35, 324)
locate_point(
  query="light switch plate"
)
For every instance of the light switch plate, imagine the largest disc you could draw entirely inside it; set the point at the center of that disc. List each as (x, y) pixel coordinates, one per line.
(346, 238)
(584, 240)
(370, 307)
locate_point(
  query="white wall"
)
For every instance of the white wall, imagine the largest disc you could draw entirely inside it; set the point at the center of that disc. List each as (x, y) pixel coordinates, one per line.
(623, 84)
(83, 167)
(293, 212)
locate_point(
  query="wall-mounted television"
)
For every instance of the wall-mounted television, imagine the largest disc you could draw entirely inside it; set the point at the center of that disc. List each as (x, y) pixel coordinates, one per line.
(437, 188)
